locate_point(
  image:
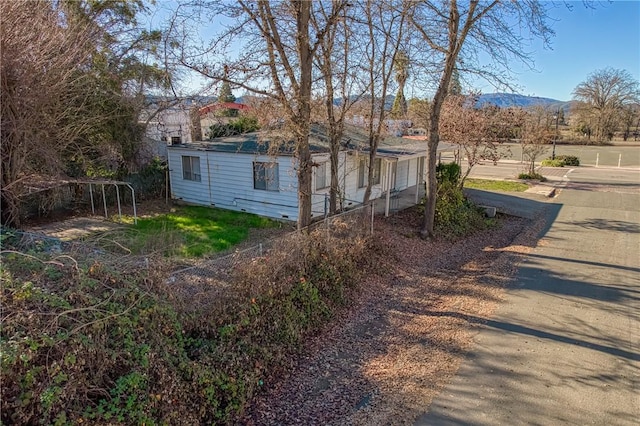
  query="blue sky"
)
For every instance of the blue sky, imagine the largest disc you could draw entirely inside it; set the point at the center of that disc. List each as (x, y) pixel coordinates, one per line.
(586, 40)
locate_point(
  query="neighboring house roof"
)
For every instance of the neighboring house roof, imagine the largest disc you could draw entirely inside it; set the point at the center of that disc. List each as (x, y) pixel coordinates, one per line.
(222, 105)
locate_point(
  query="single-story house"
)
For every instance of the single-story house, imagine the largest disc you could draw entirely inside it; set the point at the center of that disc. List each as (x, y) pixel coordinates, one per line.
(240, 173)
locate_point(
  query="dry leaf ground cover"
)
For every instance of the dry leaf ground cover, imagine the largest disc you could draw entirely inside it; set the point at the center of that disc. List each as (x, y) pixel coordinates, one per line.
(328, 329)
(384, 361)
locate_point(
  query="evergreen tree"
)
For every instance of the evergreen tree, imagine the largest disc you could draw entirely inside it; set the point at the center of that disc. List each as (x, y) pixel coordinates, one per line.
(401, 65)
(224, 96)
(455, 88)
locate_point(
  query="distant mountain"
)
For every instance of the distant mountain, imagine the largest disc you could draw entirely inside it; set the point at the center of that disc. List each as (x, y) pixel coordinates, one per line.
(505, 100)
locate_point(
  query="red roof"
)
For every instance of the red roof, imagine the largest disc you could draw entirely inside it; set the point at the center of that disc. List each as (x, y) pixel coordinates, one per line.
(223, 105)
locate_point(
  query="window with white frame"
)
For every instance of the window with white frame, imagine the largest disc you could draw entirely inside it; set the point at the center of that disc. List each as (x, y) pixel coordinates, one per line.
(363, 171)
(323, 175)
(191, 168)
(265, 176)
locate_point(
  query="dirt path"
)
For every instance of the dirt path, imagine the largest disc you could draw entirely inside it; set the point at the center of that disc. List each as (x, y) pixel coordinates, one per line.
(406, 336)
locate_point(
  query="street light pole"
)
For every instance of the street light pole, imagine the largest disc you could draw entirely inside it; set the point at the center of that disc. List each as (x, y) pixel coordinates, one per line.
(555, 137)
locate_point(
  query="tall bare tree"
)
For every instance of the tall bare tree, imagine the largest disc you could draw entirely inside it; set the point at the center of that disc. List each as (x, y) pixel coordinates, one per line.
(32, 122)
(454, 32)
(603, 99)
(276, 62)
(335, 59)
(385, 25)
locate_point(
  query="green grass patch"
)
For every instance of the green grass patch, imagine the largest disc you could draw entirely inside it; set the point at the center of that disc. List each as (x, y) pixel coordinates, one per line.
(191, 231)
(496, 185)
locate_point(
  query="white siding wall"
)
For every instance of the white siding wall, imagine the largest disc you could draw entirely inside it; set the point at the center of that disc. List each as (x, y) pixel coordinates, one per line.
(350, 173)
(406, 174)
(188, 190)
(227, 182)
(413, 172)
(402, 175)
(171, 122)
(318, 196)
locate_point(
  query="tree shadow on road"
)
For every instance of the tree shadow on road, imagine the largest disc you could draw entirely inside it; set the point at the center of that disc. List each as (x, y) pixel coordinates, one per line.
(609, 225)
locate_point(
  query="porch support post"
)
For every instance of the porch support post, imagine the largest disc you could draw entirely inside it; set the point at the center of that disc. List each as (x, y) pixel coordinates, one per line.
(133, 197)
(417, 180)
(388, 179)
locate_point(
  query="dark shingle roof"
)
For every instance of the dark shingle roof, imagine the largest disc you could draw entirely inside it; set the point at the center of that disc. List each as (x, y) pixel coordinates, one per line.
(354, 139)
(255, 143)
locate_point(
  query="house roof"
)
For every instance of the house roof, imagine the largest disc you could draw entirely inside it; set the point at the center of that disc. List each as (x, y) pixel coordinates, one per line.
(354, 139)
(255, 143)
(222, 105)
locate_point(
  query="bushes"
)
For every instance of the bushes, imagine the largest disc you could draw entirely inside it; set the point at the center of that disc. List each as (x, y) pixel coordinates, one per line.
(85, 343)
(455, 215)
(532, 176)
(244, 124)
(150, 182)
(552, 163)
(561, 161)
(448, 172)
(569, 160)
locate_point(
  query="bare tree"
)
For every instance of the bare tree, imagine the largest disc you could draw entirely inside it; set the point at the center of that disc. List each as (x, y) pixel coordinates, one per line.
(335, 60)
(276, 62)
(602, 100)
(385, 24)
(536, 134)
(478, 131)
(630, 116)
(453, 33)
(43, 101)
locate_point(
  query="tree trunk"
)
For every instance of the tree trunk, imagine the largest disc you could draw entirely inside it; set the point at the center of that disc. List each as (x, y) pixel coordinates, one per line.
(304, 181)
(432, 148)
(304, 114)
(373, 149)
(431, 187)
(335, 183)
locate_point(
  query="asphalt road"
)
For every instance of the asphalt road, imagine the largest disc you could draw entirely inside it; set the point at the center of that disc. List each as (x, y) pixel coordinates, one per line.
(609, 156)
(565, 346)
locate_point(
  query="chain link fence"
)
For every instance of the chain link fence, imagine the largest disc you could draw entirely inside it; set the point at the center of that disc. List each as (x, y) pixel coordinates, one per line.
(217, 272)
(354, 223)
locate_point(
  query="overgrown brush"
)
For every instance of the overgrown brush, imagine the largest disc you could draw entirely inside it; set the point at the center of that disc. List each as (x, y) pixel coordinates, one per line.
(532, 176)
(455, 215)
(84, 343)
